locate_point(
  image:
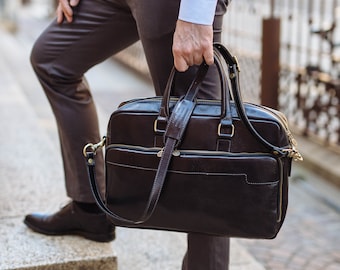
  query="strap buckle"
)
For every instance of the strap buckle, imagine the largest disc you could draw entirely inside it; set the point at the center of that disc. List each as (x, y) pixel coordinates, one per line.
(156, 124)
(92, 148)
(221, 134)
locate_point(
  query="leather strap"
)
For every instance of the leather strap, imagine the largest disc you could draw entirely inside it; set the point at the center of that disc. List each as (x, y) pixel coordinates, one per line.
(155, 192)
(235, 87)
(177, 123)
(199, 77)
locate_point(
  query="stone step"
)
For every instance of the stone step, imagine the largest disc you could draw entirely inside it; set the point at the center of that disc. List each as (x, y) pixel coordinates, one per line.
(31, 180)
(22, 249)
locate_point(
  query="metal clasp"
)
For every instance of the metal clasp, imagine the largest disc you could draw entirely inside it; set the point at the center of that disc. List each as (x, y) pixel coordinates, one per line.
(156, 129)
(237, 63)
(294, 154)
(175, 153)
(219, 131)
(90, 147)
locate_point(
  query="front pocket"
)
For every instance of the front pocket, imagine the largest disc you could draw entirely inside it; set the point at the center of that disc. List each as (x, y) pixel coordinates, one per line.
(201, 187)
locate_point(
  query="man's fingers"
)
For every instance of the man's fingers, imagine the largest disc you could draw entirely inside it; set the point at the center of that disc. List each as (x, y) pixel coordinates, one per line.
(60, 14)
(64, 10)
(198, 59)
(180, 64)
(192, 43)
(208, 56)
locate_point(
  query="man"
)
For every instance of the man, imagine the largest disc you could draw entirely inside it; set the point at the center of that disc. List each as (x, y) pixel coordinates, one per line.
(86, 32)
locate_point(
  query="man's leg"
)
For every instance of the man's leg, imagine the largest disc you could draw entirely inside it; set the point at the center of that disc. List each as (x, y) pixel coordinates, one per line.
(60, 57)
(204, 252)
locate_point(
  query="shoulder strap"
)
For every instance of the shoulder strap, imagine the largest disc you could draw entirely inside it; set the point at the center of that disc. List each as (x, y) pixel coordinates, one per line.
(177, 124)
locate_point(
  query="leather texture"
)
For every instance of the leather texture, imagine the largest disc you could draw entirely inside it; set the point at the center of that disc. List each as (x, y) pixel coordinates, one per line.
(217, 167)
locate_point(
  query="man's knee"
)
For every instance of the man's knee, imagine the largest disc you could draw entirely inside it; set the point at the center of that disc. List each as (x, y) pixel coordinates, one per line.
(53, 73)
(36, 58)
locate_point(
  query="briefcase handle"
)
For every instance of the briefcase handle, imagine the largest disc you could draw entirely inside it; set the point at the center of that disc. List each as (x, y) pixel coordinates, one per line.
(226, 92)
(225, 117)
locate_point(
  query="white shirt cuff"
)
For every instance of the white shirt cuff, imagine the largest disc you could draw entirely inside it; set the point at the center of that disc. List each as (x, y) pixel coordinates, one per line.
(198, 11)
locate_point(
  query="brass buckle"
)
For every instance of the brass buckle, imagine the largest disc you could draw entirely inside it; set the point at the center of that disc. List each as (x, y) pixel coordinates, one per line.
(155, 126)
(219, 132)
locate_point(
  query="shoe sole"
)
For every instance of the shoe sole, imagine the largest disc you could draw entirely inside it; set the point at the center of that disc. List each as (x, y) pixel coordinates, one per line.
(90, 236)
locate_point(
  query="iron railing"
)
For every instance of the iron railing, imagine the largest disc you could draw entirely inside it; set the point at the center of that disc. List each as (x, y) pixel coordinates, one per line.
(308, 87)
(309, 77)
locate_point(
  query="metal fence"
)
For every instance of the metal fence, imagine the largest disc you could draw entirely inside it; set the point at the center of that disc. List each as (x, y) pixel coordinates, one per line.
(309, 78)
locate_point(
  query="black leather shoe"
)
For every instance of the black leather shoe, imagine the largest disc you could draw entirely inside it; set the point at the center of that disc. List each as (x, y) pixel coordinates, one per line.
(72, 220)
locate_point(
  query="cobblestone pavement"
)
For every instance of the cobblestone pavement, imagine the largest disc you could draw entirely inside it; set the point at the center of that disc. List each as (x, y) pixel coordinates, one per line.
(310, 236)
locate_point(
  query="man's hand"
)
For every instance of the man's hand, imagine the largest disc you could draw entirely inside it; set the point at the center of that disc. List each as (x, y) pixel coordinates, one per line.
(64, 10)
(191, 44)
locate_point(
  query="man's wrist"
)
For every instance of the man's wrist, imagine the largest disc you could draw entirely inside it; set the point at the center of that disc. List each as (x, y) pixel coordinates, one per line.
(197, 11)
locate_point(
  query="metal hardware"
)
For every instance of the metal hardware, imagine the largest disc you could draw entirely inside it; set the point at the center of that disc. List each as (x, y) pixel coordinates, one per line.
(155, 127)
(160, 152)
(90, 161)
(90, 147)
(294, 153)
(175, 153)
(219, 128)
(237, 64)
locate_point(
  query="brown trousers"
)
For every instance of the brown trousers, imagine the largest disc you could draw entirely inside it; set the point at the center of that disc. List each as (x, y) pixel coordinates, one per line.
(101, 28)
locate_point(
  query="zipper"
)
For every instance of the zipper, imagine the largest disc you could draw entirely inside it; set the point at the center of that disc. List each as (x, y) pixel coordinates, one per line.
(179, 152)
(283, 120)
(291, 149)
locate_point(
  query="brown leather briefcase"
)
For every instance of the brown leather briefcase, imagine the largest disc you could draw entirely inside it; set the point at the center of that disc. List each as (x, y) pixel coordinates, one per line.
(218, 167)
